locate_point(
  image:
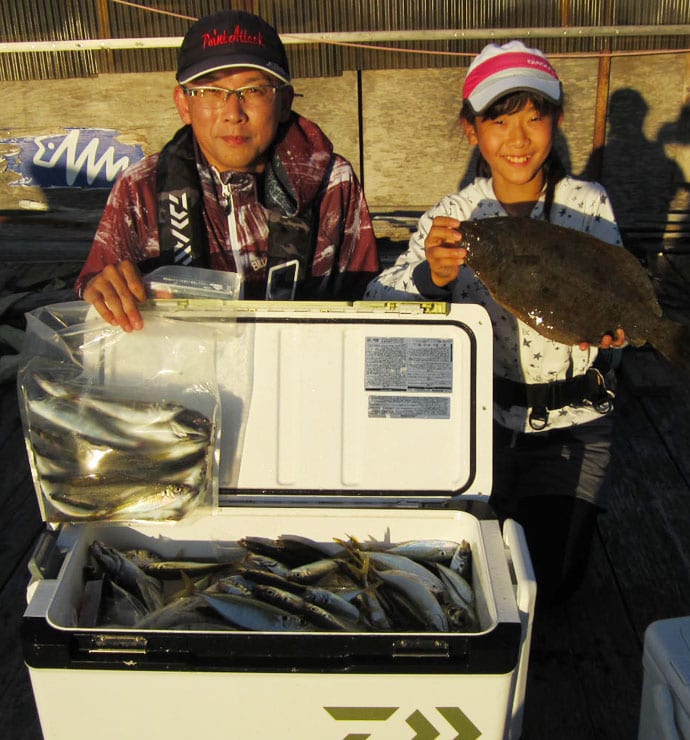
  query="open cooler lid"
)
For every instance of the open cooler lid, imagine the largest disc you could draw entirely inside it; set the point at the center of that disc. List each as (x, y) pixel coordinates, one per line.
(366, 399)
(381, 403)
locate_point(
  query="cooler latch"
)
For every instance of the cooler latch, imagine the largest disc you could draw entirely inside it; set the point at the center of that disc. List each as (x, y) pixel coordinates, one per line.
(132, 644)
(421, 648)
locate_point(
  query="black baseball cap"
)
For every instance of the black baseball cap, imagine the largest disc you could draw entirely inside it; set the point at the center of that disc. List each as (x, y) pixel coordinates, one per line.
(231, 38)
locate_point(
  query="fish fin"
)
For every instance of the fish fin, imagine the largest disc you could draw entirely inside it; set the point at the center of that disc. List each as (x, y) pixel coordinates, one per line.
(672, 339)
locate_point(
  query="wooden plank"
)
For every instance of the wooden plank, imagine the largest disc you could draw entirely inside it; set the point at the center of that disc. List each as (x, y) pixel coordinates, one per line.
(585, 674)
(664, 394)
(584, 678)
(681, 264)
(645, 529)
(9, 415)
(645, 374)
(19, 528)
(17, 706)
(21, 521)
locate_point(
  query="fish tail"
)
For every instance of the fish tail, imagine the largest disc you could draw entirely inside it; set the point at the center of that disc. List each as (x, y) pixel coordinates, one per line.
(673, 341)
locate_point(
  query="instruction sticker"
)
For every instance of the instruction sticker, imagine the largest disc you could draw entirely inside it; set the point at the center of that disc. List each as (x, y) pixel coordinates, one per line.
(409, 364)
(409, 407)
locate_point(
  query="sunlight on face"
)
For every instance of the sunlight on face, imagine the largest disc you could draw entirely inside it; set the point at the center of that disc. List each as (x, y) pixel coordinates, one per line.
(235, 137)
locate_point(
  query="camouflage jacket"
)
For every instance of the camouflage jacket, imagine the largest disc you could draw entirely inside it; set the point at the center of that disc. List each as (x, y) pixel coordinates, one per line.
(308, 183)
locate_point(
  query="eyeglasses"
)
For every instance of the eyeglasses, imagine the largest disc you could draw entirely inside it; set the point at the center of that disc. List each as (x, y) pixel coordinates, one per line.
(251, 96)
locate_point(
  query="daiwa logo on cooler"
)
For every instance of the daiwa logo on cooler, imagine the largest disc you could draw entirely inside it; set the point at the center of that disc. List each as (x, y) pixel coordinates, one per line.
(418, 723)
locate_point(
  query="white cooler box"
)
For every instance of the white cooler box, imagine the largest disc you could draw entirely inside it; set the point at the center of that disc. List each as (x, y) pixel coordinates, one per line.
(665, 710)
(371, 421)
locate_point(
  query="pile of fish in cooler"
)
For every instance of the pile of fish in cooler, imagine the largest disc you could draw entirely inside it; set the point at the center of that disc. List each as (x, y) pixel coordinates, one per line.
(291, 583)
(100, 455)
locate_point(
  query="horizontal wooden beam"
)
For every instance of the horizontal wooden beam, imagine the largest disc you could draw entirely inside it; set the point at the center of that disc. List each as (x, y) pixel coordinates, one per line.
(364, 37)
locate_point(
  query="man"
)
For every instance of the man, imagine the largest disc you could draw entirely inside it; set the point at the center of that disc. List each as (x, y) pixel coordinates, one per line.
(244, 186)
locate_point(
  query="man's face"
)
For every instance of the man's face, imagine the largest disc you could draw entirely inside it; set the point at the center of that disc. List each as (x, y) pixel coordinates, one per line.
(236, 135)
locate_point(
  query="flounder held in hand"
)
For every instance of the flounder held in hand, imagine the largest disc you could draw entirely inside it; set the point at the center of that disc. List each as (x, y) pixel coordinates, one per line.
(569, 286)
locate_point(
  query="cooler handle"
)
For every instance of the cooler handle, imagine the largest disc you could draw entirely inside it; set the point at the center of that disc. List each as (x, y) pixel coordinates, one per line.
(514, 538)
(526, 595)
(46, 558)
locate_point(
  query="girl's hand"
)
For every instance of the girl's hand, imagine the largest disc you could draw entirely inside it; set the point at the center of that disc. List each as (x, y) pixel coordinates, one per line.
(609, 340)
(445, 258)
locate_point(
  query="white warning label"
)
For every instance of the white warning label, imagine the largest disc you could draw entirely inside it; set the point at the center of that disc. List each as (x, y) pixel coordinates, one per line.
(409, 407)
(409, 364)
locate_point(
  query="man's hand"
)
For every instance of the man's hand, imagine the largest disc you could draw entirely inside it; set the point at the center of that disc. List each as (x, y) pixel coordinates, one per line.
(115, 293)
(445, 258)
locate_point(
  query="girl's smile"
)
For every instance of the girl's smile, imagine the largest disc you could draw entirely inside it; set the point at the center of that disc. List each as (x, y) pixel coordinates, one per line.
(515, 146)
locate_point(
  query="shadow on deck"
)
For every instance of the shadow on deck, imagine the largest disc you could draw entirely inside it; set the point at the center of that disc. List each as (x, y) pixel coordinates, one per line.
(585, 673)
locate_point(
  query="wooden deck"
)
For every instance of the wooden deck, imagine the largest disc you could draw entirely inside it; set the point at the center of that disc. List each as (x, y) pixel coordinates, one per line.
(585, 673)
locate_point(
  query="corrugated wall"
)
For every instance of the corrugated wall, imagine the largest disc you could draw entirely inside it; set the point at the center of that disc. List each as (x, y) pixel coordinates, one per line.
(45, 20)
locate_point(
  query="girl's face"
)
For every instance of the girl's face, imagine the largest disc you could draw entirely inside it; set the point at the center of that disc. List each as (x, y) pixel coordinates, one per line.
(515, 146)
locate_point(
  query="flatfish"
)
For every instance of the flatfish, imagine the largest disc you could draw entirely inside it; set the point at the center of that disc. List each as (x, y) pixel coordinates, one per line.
(570, 286)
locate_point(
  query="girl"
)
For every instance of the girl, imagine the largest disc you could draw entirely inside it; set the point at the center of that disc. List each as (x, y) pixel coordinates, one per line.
(551, 437)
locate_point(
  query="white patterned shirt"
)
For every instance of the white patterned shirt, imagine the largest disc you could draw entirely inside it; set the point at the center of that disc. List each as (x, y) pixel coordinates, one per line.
(520, 353)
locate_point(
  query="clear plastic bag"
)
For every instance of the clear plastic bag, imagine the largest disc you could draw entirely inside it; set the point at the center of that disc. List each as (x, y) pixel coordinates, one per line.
(119, 426)
(175, 281)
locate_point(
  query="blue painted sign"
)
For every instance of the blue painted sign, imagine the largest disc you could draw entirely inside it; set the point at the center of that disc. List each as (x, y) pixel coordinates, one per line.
(78, 158)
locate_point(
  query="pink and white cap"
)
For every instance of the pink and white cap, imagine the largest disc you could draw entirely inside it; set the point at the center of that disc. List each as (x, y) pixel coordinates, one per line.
(499, 70)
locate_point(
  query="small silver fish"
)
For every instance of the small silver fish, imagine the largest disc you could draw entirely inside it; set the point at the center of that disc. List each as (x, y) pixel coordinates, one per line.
(461, 562)
(121, 608)
(170, 502)
(154, 565)
(124, 499)
(332, 602)
(312, 572)
(174, 614)
(391, 561)
(297, 605)
(426, 605)
(428, 550)
(456, 585)
(252, 614)
(126, 574)
(69, 417)
(108, 403)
